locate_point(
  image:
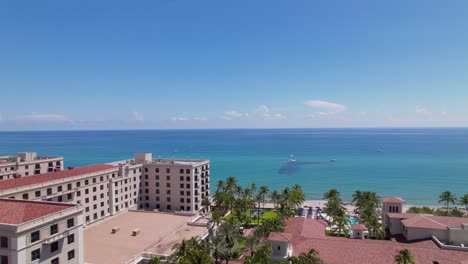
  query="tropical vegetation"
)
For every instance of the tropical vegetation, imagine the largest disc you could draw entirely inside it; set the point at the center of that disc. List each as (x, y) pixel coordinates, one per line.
(404, 257)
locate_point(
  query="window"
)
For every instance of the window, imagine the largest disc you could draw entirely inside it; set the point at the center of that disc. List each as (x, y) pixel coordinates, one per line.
(157, 177)
(146, 169)
(157, 184)
(181, 200)
(94, 180)
(59, 188)
(78, 184)
(182, 208)
(25, 196)
(53, 229)
(94, 189)
(35, 254)
(4, 242)
(38, 193)
(157, 198)
(181, 170)
(168, 184)
(86, 191)
(157, 191)
(69, 196)
(187, 185)
(168, 192)
(71, 254)
(49, 191)
(70, 222)
(168, 170)
(181, 185)
(55, 261)
(102, 187)
(78, 193)
(101, 178)
(181, 192)
(59, 199)
(168, 199)
(35, 236)
(187, 178)
(157, 170)
(3, 259)
(86, 182)
(69, 186)
(187, 171)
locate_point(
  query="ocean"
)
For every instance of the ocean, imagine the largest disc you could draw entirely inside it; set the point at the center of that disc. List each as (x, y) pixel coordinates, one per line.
(416, 164)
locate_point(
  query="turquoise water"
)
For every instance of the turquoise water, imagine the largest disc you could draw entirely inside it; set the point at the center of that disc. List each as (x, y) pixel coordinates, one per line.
(417, 164)
(353, 221)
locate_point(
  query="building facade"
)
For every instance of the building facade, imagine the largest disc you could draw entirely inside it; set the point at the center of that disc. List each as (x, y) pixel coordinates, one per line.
(40, 232)
(107, 189)
(27, 164)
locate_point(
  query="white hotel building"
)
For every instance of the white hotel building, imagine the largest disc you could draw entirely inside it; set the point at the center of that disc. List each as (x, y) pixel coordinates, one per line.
(103, 190)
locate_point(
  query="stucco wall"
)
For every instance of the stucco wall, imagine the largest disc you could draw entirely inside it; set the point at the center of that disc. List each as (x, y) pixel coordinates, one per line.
(420, 233)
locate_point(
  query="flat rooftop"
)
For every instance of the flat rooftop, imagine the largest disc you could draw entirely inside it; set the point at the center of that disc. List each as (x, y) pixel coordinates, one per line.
(159, 233)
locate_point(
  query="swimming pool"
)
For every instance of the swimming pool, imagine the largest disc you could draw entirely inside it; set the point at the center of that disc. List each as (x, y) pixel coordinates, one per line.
(353, 220)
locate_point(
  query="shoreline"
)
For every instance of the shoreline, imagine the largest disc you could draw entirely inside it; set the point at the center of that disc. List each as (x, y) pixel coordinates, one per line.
(348, 206)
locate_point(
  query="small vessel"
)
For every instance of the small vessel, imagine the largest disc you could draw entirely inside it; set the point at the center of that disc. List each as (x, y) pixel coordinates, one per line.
(333, 160)
(291, 159)
(379, 150)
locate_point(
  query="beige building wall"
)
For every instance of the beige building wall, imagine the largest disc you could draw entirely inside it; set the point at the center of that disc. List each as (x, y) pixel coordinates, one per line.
(395, 226)
(175, 185)
(90, 190)
(412, 233)
(28, 164)
(68, 239)
(458, 235)
(390, 208)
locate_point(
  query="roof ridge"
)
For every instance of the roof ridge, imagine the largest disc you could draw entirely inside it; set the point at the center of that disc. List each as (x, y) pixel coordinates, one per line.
(432, 220)
(23, 211)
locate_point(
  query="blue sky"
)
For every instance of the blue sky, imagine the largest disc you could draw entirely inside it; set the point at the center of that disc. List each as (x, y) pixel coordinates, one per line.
(223, 64)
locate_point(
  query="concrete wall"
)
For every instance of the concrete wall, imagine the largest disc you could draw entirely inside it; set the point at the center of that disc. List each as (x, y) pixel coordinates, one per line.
(280, 249)
(422, 233)
(457, 236)
(395, 226)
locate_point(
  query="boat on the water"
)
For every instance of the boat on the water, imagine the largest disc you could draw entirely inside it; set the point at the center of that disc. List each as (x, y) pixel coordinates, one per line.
(291, 159)
(333, 160)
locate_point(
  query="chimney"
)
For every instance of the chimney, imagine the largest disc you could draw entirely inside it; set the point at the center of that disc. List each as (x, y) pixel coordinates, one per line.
(70, 167)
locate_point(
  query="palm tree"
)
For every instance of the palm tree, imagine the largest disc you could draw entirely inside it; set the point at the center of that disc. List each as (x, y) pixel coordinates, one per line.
(341, 223)
(258, 199)
(206, 203)
(464, 201)
(252, 242)
(310, 257)
(230, 233)
(404, 257)
(331, 194)
(220, 186)
(218, 247)
(264, 190)
(274, 197)
(448, 198)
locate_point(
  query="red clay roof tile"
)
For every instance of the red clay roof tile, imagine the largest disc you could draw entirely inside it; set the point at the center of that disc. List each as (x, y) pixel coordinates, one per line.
(40, 178)
(16, 212)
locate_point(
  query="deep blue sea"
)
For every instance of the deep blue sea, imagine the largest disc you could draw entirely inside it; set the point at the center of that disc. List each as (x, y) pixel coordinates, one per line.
(416, 164)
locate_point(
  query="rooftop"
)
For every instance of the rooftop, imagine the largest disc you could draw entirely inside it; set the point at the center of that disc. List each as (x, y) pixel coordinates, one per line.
(400, 215)
(433, 222)
(159, 233)
(392, 200)
(15, 212)
(310, 233)
(358, 227)
(45, 177)
(283, 237)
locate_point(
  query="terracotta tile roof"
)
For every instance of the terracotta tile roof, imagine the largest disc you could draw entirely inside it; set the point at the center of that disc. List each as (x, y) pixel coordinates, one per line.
(338, 250)
(40, 178)
(358, 227)
(392, 200)
(283, 237)
(433, 222)
(16, 212)
(400, 215)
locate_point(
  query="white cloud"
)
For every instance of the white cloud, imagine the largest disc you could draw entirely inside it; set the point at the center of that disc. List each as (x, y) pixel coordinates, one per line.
(137, 116)
(179, 118)
(200, 118)
(443, 113)
(421, 110)
(330, 107)
(234, 114)
(44, 118)
(363, 113)
(263, 111)
(1, 117)
(279, 116)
